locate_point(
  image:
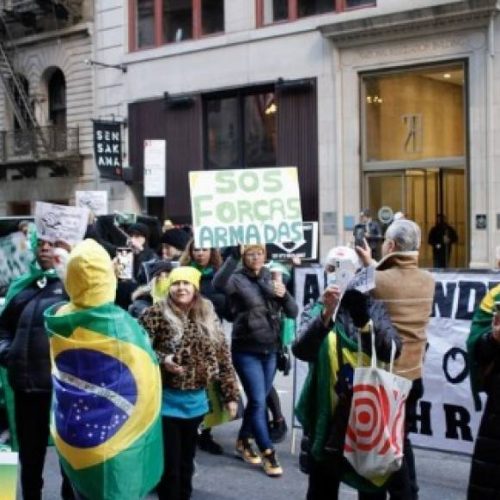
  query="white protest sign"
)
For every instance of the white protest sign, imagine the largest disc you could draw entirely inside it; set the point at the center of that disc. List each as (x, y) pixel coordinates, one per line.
(364, 280)
(447, 419)
(96, 201)
(61, 222)
(155, 156)
(247, 206)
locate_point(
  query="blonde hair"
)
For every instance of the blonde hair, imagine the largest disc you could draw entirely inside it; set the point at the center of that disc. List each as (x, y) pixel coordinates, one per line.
(201, 312)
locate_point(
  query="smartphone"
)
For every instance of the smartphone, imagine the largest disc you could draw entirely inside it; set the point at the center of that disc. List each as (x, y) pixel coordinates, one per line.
(359, 235)
(125, 259)
(344, 272)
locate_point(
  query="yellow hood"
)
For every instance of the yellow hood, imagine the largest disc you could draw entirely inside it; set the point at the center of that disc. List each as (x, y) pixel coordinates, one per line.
(90, 280)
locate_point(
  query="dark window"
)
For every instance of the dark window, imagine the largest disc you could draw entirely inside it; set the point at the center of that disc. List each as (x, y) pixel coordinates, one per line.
(57, 111)
(223, 133)
(312, 7)
(57, 99)
(241, 130)
(145, 22)
(271, 11)
(357, 3)
(177, 20)
(260, 129)
(155, 22)
(212, 16)
(275, 10)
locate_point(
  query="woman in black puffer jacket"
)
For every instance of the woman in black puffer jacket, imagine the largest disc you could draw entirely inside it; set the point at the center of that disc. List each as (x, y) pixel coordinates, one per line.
(256, 303)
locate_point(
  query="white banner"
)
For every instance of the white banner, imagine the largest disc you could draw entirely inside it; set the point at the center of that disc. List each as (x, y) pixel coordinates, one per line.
(96, 201)
(447, 418)
(61, 222)
(231, 207)
(155, 157)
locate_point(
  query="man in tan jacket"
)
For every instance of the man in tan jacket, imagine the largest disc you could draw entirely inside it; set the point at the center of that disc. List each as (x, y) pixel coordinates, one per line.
(408, 294)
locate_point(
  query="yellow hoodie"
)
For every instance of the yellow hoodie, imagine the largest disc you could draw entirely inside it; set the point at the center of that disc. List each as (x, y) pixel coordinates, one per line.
(90, 279)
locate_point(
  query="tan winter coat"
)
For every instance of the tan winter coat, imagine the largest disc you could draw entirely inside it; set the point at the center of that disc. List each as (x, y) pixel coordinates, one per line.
(408, 294)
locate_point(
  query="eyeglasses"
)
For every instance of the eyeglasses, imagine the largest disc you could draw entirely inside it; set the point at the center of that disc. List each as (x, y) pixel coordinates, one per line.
(255, 255)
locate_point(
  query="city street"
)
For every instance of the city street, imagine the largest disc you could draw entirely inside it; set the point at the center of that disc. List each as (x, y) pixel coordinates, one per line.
(441, 475)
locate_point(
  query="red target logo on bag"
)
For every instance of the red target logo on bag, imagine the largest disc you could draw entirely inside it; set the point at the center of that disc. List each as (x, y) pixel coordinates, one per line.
(376, 421)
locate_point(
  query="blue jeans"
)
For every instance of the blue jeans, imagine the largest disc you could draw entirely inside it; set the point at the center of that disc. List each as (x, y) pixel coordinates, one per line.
(256, 372)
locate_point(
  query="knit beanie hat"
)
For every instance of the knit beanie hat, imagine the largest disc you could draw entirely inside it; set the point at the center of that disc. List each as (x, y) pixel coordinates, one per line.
(254, 248)
(177, 238)
(185, 273)
(138, 228)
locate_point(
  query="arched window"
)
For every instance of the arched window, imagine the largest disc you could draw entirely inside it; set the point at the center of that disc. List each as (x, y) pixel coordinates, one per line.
(57, 99)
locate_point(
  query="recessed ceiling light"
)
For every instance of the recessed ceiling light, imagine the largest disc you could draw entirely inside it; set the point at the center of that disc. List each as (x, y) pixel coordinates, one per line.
(447, 75)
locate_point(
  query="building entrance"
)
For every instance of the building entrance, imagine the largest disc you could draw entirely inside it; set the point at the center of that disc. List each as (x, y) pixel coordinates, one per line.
(414, 157)
(423, 194)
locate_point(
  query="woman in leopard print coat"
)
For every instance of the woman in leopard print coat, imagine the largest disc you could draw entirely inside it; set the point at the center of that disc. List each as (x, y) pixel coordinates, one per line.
(192, 350)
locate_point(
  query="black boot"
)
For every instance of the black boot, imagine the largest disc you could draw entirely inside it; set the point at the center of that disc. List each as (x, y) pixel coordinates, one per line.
(206, 443)
(278, 430)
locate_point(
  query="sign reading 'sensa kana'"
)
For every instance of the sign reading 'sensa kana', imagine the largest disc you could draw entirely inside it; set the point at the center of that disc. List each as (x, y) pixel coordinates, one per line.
(108, 149)
(232, 207)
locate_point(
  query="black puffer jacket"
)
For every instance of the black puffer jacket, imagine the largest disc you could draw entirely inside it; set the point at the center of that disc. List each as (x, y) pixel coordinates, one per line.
(217, 297)
(484, 482)
(24, 344)
(255, 310)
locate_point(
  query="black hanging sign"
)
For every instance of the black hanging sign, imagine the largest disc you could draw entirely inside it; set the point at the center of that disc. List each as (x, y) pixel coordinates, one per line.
(108, 148)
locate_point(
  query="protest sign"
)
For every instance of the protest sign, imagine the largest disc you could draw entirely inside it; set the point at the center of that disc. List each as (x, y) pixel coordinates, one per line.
(446, 417)
(155, 157)
(307, 249)
(61, 222)
(256, 206)
(96, 201)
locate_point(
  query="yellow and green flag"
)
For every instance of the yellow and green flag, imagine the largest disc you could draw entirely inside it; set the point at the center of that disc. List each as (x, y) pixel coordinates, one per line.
(106, 409)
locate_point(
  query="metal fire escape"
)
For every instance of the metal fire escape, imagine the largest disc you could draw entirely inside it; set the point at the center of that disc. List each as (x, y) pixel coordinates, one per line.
(25, 15)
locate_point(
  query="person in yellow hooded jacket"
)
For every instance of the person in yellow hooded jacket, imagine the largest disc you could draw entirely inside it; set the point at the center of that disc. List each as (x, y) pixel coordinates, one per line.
(107, 387)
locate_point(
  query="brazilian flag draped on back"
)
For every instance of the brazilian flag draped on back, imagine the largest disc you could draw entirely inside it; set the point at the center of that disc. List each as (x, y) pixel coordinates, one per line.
(107, 388)
(481, 324)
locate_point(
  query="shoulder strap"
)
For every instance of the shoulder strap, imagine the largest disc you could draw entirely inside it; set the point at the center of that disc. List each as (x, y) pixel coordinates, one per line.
(340, 358)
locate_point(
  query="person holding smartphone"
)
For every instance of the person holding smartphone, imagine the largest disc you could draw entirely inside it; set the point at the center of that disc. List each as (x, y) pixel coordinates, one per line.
(338, 318)
(483, 346)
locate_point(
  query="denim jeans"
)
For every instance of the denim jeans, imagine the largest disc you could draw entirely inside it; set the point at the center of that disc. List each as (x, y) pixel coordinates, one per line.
(256, 372)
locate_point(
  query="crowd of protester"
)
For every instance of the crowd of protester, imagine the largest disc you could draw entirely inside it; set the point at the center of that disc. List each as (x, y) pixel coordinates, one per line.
(177, 298)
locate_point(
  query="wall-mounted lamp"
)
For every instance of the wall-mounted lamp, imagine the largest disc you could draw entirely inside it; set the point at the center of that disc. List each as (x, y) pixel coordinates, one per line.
(179, 100)
(299, 85)
(91, 62)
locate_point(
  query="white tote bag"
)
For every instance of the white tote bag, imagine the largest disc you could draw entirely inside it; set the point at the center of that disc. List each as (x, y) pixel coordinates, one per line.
(375, 430)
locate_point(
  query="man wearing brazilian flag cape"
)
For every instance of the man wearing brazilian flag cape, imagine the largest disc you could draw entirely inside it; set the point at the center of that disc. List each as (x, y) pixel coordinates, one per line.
(483, 346)
(107, 387)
